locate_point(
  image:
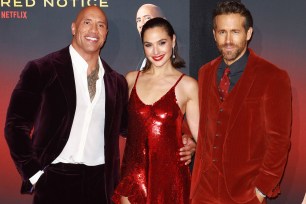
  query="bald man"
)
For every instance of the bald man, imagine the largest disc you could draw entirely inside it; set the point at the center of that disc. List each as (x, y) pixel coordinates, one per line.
(64, 118)
(145, 13)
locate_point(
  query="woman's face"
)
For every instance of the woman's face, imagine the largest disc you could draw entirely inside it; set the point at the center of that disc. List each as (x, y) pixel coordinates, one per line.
(158, 46)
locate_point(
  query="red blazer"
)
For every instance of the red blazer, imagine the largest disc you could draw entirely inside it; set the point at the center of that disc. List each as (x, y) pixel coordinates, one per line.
(44, 101)
(257, 136)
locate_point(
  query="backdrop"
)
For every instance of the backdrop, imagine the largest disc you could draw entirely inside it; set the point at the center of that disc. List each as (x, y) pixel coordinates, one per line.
(30, 29)
(280, 37)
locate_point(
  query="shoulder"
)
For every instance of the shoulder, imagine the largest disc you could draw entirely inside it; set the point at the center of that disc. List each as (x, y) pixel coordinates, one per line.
(210, 64)
(113, 77)
(189, 84)
(189, 81)
(131, 77)
(56, 56)
(110, 72)
(45, 65)
(51, 60)
(265, 67)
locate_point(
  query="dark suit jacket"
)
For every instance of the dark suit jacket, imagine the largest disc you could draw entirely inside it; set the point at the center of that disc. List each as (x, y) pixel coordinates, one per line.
(41, 112)
(257, 128)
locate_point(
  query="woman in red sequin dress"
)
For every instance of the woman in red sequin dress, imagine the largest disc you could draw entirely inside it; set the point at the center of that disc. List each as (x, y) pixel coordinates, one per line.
(160, 95)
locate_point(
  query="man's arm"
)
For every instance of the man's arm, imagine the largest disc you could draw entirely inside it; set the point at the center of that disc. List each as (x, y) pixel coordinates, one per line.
(277, 119)
(22, 110)
(125, 98)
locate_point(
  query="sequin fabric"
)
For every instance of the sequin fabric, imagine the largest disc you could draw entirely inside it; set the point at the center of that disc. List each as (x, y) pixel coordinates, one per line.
(152, 172)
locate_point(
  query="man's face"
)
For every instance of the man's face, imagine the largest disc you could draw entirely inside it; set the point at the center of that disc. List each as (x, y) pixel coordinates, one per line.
(231, 37)
(144, 14)
(90, 31)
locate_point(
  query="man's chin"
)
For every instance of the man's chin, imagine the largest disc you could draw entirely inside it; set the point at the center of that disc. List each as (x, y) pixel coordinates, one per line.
(229, 57)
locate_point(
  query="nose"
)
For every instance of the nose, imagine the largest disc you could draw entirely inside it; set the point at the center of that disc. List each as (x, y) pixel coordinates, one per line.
(228, 38)
(94, 28)
(155, 50)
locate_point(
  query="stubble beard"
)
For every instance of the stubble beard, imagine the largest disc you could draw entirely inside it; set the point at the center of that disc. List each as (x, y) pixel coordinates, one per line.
(231, 56)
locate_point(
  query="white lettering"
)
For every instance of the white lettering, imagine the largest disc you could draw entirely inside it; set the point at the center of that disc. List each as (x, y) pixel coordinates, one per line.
(61, 5)
(50, 3)
(30, 5)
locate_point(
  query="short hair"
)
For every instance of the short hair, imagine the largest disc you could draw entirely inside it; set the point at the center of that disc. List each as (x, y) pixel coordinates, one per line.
(233, 7)
(176, 62)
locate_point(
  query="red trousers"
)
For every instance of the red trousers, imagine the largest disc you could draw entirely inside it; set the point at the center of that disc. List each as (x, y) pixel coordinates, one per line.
(212, 190)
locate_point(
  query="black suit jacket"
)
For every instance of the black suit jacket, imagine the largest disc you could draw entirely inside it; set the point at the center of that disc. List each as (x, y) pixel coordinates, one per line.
(41, 112)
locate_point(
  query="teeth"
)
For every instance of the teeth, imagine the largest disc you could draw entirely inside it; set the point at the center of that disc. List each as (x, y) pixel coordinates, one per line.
(90, 38)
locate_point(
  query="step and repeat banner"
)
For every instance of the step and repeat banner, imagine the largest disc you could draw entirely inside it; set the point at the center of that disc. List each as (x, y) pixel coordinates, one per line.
(30, 29)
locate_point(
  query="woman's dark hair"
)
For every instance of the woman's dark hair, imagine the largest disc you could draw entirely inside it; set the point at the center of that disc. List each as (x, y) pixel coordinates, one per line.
(233, 7)
(177, 61)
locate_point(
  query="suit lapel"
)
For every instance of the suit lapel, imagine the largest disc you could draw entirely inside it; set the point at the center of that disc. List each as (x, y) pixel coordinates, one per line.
(110, 99)
(207, 82)
(64, 70)
(244, 85)
(207, 96)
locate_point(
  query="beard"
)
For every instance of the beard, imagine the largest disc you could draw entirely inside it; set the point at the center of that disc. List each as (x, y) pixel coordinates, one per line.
(233, 54)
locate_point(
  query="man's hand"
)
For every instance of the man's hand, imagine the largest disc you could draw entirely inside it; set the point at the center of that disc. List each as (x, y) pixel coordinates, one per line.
(259, 196)
(188, 150)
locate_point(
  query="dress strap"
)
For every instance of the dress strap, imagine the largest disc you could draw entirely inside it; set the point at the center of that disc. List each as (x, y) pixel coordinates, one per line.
(178, 80)
(136, 79)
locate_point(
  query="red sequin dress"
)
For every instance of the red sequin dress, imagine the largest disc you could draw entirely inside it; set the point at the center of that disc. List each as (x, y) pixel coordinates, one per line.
(151, 169)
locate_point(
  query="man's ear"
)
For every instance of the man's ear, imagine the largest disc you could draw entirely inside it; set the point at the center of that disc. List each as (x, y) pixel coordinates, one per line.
(73, 28)
(249, 33)
(214, 34)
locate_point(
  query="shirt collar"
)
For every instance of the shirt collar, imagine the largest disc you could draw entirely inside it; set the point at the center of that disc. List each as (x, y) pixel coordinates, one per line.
(237, 66)
(81, 65)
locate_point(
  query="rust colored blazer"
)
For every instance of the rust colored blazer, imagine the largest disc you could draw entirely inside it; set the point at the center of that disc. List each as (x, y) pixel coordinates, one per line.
(257, 135)
(44, 102)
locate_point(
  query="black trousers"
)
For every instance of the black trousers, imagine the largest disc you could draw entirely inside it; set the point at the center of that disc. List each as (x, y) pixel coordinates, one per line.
(71, 184)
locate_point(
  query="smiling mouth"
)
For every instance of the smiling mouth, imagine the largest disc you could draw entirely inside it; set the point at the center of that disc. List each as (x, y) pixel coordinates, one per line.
(158, 58)
(92, 39)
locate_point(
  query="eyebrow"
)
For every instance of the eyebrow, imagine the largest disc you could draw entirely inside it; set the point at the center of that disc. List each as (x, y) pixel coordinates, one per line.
(143, 16)
(156, 41)
(90, 19)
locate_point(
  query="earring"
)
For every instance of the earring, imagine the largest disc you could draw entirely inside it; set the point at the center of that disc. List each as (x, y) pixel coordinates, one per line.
(173, 55)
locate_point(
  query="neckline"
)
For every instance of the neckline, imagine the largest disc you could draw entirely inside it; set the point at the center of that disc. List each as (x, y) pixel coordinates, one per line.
(163, 96)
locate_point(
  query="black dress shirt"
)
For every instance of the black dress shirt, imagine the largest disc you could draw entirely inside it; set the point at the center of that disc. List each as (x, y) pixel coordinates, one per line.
(236, 70)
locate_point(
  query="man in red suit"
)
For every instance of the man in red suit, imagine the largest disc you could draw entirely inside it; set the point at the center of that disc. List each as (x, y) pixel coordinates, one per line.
(245, 119)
